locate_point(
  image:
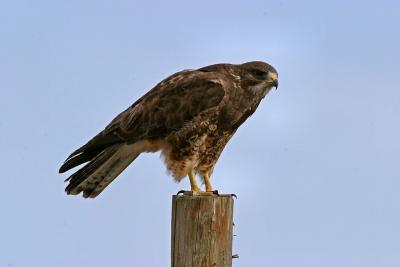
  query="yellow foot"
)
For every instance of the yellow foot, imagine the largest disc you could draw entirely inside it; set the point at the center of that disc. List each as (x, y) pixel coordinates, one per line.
(198, 193)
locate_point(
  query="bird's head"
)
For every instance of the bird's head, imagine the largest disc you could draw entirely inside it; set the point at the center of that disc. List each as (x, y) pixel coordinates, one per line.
(259, 77)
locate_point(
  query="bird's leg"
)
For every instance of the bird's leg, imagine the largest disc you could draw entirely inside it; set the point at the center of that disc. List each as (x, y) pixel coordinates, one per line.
(195, 190)
(207, 181)
(193, 183)
(209, 190)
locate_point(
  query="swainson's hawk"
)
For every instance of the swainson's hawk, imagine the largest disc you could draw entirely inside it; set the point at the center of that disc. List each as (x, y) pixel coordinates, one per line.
(189, 117)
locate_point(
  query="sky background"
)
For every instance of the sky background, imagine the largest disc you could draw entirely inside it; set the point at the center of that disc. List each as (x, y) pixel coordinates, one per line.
(316, 168)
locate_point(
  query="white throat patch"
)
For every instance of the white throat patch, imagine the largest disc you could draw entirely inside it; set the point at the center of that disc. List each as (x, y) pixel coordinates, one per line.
(260, 89)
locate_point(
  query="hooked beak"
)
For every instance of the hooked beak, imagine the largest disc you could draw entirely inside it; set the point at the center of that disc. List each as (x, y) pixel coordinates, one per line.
(273, 79)
(275, 83)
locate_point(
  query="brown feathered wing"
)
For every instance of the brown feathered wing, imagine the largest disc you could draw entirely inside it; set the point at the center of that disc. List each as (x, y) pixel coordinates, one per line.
(165, 108)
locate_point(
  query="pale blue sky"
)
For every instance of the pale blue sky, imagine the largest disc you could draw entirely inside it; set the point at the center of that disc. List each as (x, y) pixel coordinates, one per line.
(316, 169)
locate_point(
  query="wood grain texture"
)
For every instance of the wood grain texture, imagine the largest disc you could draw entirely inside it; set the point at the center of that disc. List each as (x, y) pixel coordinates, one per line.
(201, 234)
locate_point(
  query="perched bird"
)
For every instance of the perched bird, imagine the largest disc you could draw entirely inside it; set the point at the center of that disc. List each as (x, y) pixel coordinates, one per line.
(189, 117)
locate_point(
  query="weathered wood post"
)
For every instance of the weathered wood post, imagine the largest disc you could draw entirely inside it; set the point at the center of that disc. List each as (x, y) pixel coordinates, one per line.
(201, 231)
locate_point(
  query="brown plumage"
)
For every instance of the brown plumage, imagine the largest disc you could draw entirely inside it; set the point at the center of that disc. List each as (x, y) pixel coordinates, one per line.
(189, 117)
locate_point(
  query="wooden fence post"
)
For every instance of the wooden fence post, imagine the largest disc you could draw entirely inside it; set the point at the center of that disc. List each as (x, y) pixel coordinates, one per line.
(201, 231)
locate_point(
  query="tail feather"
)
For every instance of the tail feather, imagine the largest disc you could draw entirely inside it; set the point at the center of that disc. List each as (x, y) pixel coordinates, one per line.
(96, 175)
(76, 178)
(89, 151)
(78, 160)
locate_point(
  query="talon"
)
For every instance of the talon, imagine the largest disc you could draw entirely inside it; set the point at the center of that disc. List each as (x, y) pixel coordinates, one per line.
(233, 195)
(187, 193)
(181, 192)
(215, 192)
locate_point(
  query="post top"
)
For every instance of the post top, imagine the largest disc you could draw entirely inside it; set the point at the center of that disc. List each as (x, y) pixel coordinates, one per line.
(204, 196)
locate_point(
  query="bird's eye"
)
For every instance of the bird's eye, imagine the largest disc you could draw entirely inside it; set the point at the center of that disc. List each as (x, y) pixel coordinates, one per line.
(259, 74)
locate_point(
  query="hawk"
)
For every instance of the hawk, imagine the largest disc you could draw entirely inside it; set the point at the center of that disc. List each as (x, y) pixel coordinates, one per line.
(189, 116)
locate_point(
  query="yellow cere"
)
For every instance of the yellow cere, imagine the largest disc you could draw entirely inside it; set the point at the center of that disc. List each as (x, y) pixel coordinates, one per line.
(272, 76)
